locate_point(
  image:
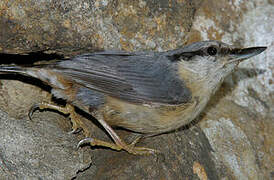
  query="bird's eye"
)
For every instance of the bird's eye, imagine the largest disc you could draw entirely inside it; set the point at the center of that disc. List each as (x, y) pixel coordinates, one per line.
(211, 51)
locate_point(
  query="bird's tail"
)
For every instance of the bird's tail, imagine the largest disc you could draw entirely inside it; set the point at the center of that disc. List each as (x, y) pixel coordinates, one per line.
(35, 71)
(8, 69)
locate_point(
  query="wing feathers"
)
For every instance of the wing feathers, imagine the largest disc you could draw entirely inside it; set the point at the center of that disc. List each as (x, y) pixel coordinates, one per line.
(137, 78)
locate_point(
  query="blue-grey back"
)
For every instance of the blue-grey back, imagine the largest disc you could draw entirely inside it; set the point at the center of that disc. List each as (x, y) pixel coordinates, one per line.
(134, 77)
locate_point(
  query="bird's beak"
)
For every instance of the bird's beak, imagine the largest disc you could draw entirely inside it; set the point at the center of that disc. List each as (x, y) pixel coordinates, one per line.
(242, 54)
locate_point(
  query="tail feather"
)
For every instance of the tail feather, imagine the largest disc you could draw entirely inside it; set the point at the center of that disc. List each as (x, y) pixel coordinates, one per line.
(33, 71)
(12, 69)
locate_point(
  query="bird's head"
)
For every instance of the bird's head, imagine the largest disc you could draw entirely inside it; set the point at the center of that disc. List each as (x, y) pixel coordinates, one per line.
(210, 61)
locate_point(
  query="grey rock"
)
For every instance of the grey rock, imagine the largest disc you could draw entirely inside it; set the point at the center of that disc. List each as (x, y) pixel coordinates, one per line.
(38, 150)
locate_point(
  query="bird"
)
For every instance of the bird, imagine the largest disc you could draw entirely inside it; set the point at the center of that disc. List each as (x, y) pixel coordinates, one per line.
(145, 92)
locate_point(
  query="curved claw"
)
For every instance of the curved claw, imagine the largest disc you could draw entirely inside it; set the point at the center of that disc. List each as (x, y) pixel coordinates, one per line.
(74, 131)
(137, 139)
(32, 109)
(85, 141)
(129, 148)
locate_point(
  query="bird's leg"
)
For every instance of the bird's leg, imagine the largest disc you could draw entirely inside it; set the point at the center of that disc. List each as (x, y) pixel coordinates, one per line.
(119, 143)
(77, 124)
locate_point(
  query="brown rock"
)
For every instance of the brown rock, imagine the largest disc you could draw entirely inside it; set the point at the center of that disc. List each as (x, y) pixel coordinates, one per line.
(233, 137)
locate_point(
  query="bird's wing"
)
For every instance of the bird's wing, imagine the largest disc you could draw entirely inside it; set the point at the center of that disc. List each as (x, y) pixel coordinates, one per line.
(137, 78)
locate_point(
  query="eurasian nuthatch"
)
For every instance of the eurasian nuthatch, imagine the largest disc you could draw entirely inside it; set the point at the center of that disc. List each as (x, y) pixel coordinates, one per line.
(146, 92)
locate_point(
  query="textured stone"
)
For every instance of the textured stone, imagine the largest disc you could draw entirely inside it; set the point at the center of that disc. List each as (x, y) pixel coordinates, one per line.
(38, 149)
(232, 139)
(70, 27)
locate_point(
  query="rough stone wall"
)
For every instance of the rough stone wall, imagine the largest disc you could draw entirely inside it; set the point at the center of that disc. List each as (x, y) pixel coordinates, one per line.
(232, 139)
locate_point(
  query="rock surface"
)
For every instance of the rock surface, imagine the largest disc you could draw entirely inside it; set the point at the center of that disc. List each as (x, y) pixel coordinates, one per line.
(38, 150)
(232, 139)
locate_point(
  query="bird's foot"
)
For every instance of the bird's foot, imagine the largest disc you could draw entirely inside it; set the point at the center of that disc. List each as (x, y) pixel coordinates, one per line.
(130, 148)
(75, 131)
(77, 124)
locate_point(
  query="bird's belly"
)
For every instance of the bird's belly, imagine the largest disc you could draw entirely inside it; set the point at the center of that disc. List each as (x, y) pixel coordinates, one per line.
(149, 119)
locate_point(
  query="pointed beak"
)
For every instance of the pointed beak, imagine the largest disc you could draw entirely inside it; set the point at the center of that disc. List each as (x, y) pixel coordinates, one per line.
(242, 54)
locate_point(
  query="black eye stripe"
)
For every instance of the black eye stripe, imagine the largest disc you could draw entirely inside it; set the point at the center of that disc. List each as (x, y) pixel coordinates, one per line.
(188, 55)
(211, 51)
